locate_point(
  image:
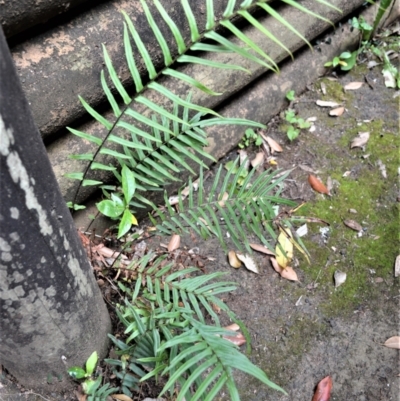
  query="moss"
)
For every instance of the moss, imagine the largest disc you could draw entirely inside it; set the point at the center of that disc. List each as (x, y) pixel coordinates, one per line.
(374, 198)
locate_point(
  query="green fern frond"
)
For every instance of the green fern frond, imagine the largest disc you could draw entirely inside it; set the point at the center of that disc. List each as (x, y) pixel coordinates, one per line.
(141, 133)
(249, 204)
(171, 341)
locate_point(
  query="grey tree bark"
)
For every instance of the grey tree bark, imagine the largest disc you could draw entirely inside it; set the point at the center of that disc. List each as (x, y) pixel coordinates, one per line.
(50, 304)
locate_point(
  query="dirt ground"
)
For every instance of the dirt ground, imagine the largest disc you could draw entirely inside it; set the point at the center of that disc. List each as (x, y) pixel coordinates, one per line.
(304, 331)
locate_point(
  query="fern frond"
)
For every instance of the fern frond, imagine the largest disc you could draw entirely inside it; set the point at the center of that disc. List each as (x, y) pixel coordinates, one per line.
(250, 206)
(139, 131)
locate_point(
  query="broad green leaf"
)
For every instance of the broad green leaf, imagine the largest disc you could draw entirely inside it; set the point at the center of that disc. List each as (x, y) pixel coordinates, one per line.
(126, 223)
(109, 209)
(76, 372)
(91, 363)
(128, 184)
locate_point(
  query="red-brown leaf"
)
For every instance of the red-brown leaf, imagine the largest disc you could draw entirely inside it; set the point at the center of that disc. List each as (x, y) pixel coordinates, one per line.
(323, 391)
(317, 185)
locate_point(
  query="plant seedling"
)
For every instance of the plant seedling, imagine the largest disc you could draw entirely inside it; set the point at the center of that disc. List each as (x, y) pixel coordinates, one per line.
(345, 60)
(296, 124)
(250, 137)
(117, 206)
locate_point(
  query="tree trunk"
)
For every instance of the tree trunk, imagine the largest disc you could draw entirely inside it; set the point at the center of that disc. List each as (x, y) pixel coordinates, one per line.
(50, 305)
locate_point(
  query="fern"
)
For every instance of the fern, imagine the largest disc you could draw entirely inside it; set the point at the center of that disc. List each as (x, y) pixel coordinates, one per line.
(168, 335)
(156, 145)
(228, 208)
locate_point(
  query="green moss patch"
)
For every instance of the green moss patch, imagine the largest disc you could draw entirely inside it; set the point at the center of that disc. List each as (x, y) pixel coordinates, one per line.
(367, 259)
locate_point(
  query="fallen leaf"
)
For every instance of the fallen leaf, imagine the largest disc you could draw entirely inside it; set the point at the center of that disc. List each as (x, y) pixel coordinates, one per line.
(288, 273)
(390, 80)
(317, 185)
(397, 266)
(323, 88)
(393, 342)
(337, 112)
(306, 168)
(372, 64)
(324, 103)
(352, 224)
(121, 397)
(378, 280)
(259, 159)
(275, 147)
(249, 262)
(323, 391)
(233, 327)
(244, 158)
(233, 260)
(312, 119)
(354, 211)
(353, 86)
(262, 249)
(225, 197)
(237, 338)
(339, 277)
(284, 248)
(382, 168)
(360, 141)
(174, 243)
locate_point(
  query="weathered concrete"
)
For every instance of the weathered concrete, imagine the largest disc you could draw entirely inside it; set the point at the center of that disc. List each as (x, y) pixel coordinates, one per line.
(52, 314)
(17, 16)
(229, 82)
(62, 63)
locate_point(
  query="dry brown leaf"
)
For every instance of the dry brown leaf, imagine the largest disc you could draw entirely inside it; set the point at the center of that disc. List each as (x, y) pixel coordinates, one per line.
(275, 147)
(275, 265)
(323, 390)
(397, 266)
(233, 260)
(337, 112)
(288, 273)
(249, 262)
(225, 197)
(323, 103)
(317, 185)
(262, 249)
(233, 327)
(174, 243)
(121, 397)
(352, 224)
(109, 253)
(237, 338)
(360, 141)
(353, 86)
(259, 159)
(393, 342)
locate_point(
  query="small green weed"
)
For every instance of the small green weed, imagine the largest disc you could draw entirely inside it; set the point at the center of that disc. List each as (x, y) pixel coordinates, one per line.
(90, 385)
(296, 124)
(249, 138)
